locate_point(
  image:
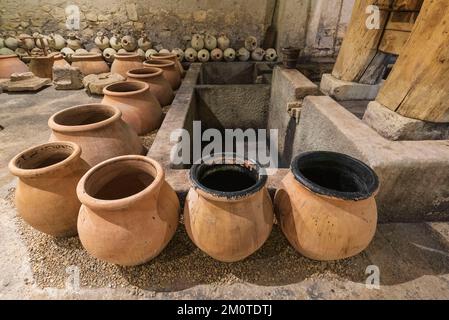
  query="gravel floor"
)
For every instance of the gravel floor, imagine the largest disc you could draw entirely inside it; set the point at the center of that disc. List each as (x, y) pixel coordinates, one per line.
(180, 266)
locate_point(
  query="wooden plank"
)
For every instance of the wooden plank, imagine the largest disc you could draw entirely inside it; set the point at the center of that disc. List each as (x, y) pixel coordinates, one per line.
(393, 41)
(360, 44)
(418, 85)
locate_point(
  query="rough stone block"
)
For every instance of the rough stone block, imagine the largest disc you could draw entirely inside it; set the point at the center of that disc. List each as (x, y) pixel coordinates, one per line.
(394, 126)
(94, 83)
(345, 90)
(288, 87)
(22, 76)
(67, 78)
(414, 175)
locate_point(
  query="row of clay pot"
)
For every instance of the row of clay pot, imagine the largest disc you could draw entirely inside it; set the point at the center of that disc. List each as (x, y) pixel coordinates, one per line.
(140, 109)
(92, 63)
(93, 148)
(129, 213)
(325, 207)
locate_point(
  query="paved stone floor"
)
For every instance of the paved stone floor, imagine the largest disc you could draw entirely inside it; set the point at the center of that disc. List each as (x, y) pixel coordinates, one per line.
(413, 259)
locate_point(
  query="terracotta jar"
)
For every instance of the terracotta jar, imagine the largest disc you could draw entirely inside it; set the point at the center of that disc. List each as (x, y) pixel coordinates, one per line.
(171, 57)
(59, 61)
(98, 129)
(45, 195)
(326, 205)
(10, 64)
(228, 212)
(159, 86)
(124, 62)
(140, 109)
(89, 63)
(170, 72)
(42, 67)
(129, 212)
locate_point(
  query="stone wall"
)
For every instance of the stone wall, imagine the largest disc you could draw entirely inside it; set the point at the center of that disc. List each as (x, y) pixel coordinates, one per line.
(316, 25)
(168, 22)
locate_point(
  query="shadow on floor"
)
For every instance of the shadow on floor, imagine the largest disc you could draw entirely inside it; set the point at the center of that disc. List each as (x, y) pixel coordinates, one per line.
(402, 253)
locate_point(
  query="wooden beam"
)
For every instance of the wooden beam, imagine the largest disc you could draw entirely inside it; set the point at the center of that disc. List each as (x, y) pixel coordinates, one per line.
(360, 44)
(418, 85)
(393, 41)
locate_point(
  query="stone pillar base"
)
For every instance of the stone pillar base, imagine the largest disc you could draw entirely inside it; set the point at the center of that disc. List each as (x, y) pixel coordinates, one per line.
(394, 126)
(344, 90)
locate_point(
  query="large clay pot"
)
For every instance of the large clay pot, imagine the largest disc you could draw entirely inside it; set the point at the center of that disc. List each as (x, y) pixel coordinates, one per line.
(159, 86)
(59, 61)
(45, 195)
(98, 129)
(140, 109)
(10, 64)
(90, 63)
(171, 57)
(129, 212)
(228, 212)
(124, 62)
(42, 67)
(169, 71)
(326, 205)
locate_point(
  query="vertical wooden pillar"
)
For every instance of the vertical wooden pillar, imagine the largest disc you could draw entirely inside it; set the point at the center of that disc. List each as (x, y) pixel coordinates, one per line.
(359, 59)
(418, 86)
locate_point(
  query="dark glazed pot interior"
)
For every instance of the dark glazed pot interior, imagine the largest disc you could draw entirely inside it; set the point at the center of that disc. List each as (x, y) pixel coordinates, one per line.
(336, 175)
(227, 179)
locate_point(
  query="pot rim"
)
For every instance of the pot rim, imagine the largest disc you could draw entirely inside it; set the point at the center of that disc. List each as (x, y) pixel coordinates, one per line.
(55, 126)
(216, 195)
(158, 63)
(357, 167)
(28, 173)
(142, 85)
(86, 55)
(152, 73)
(117, 204)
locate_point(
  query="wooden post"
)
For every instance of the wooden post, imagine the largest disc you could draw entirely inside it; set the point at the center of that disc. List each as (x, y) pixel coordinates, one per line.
(359, 59)
(418, 86)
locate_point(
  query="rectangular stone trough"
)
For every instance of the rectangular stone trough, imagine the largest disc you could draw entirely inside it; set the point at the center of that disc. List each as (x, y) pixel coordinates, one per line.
(414, 176)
